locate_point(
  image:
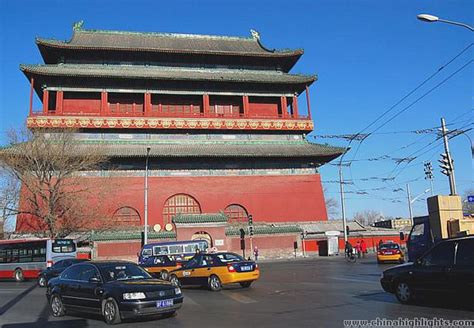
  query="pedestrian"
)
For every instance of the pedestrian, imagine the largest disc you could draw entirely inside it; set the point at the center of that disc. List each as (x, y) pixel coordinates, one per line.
(357, 249)
(380, 244)
(363, 247)
(255, 253)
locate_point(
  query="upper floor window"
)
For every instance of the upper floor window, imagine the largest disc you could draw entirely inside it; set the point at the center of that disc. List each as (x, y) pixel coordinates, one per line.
(126, 216)
(236, 213)
(180, 203)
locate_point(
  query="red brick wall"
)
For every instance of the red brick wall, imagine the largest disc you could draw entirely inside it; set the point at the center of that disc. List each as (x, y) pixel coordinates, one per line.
(267, 198)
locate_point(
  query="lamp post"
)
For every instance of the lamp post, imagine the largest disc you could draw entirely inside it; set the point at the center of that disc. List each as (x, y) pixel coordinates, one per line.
(433, 19)
(411, 201)
(145, 233)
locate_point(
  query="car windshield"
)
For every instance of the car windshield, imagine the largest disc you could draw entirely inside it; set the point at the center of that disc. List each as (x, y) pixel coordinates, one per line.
(229, 257)
(389, 246)
(122, 271)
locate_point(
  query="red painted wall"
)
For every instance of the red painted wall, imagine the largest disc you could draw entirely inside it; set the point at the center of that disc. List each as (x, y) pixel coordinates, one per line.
(267, 198)
(261, 107)
(81, 106)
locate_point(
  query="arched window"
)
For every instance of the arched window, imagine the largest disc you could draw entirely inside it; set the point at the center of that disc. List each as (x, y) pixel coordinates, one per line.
(236, 213)
(127, 216)
(180, 203)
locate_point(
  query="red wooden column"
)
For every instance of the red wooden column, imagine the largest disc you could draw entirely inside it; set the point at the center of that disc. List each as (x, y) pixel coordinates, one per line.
(205, 104)
(284, 107)
(245, 102)
(295, 106)
(31, 95)
(147, 104)
(59, 102)
(308, 103)
(104, 103)
(45, 101)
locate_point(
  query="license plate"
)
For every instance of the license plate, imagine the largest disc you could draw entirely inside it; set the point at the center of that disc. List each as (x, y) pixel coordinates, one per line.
(246, 268)
(164, 303)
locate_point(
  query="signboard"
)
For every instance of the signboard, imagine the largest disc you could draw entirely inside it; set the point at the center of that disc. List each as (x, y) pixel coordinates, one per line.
(219, 242)
(470, 199)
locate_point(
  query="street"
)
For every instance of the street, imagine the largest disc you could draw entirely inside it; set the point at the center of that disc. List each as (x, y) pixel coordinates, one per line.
(319, 292)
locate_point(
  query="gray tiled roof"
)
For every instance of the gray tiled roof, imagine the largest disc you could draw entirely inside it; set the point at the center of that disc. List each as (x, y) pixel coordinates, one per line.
(130, 235)
(166, 42)
(200, 218)
(166, 73)
(219, 149)
(263, 229)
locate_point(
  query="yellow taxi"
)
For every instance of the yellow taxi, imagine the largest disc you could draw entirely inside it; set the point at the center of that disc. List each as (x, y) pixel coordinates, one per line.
(390, 252)
(160, 266)
(215, 270)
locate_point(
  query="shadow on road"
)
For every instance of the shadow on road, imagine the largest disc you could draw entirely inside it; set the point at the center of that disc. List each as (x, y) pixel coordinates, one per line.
(15, 300)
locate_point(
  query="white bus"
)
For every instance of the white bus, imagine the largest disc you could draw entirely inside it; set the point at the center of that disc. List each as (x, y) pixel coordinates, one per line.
(22, 259)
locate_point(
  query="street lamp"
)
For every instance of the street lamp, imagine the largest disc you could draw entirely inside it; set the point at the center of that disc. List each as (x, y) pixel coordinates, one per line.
(411, 201)
(432, 19)
(145, 233)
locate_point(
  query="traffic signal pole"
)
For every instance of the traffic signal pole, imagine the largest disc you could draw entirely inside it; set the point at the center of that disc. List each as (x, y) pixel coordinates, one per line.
(343, 209)
(452, 181)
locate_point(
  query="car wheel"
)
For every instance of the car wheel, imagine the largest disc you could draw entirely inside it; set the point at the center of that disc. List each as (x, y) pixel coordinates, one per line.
(57, 306)
(42, 281)
(245, 284)
(164, 275)
(214, 283)
(111, 312)
(175, 281)
(404, 293)
(18, 275)
(401, 261)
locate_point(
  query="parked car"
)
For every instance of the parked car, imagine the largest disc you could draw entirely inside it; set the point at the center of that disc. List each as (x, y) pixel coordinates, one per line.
(447, 269)
(390, 252)
(160, 266)
(215, 270)
(45, 275)
(115, 289)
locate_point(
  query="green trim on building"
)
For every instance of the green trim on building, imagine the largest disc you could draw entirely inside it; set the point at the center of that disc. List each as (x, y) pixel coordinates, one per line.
(263, 230)
(200, 218)
(130, 235)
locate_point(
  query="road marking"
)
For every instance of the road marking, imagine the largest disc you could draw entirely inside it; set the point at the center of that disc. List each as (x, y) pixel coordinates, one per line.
(189, 300)
(240, 298)
(355, 280)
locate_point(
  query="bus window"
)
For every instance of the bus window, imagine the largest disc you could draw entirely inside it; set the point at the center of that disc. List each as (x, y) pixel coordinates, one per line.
(190, 248)
(176, 249)
(159, 250)
(63, 246)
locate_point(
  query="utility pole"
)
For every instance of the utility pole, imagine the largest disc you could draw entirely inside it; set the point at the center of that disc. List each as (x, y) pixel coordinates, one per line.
(250, 222)
(447, 163)
(409, 204)
(429, 175)
(343, 210)
(145, 233)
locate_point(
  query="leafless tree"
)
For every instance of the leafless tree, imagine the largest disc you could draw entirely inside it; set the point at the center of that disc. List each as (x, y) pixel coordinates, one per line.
(43, 183)
(332, 205)
(367, 217)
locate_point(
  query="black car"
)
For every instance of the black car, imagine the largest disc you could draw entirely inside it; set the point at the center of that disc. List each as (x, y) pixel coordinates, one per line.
(447, 269)
(55, 270)
(115, 289)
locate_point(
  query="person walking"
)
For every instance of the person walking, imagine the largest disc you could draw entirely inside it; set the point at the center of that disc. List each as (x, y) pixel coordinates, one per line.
(363, 247)
(357, 249)
(255, 253)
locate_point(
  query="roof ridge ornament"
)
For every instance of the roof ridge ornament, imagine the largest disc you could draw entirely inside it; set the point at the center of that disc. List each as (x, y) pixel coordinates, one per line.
(77, 26)
(256, 37)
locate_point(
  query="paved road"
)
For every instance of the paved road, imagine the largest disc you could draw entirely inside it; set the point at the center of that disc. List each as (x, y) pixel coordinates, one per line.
(305, 293)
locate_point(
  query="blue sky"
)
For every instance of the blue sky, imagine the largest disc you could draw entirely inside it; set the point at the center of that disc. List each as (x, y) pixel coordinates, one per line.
(367, 54)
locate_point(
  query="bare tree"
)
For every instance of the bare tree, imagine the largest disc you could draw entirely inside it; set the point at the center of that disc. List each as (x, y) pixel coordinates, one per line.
(367, 217)
(44, 185)
(332, 206)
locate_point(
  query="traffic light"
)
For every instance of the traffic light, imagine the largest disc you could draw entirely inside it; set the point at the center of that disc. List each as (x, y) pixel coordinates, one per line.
(251, 231)
(242, 233)
(428, 170)
(347, 230)
(250, 218)
(446, 164)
